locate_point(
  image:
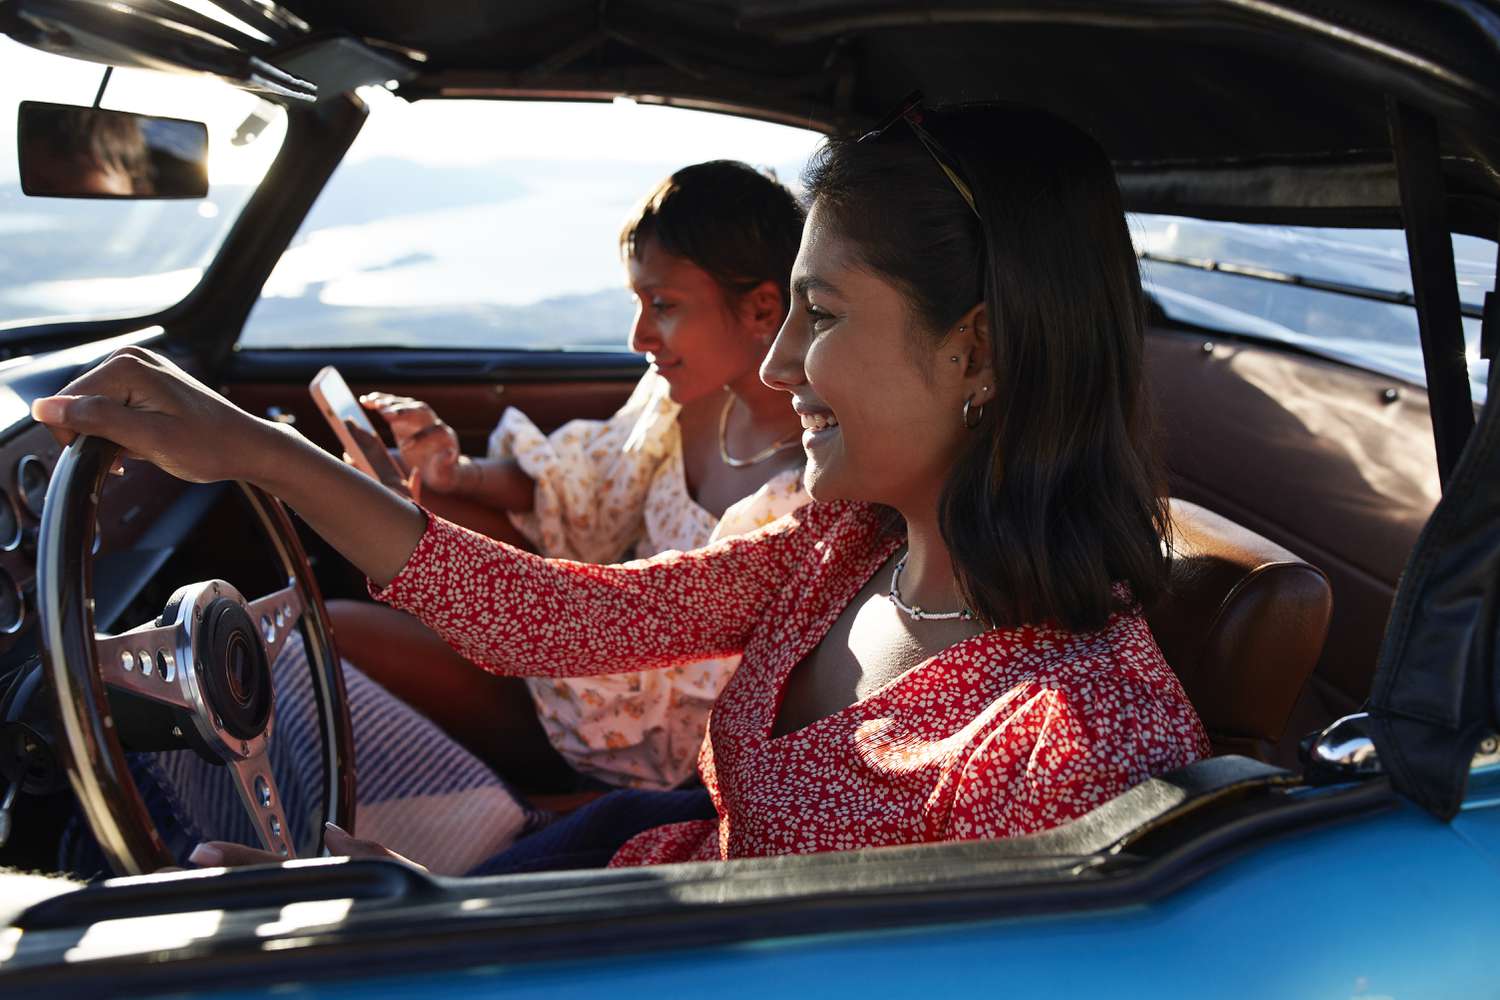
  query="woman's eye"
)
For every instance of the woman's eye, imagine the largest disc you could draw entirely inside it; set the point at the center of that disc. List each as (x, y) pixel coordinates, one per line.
(662, 308)
(821, 318)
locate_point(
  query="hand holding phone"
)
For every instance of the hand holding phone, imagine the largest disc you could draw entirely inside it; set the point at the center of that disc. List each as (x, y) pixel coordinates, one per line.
(355, 432)
(428, 446)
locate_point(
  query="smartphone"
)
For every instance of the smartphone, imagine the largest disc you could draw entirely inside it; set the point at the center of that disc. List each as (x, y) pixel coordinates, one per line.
(355, 432)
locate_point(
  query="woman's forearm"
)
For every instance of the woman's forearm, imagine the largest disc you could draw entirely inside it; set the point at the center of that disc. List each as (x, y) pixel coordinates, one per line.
(153, 409)
(496, 482)
(369, 525)
(475, 516)
(514, 613)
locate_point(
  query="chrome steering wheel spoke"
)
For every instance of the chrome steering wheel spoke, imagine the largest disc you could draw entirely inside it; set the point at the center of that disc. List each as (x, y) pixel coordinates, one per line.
(275, 616)
(145, 661)
(262, 800)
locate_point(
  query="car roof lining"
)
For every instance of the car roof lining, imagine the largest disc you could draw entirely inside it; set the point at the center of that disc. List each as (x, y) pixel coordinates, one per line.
(1274, 111)
(1270, 112)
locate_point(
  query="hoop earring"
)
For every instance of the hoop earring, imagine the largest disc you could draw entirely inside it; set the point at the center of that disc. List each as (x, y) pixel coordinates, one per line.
(978, 414)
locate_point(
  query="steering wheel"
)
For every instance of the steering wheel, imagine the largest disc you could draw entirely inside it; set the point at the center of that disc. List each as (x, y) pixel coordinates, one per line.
(207, 658)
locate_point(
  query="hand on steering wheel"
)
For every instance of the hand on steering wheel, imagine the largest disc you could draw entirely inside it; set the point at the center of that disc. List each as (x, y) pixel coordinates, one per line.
(206, 660)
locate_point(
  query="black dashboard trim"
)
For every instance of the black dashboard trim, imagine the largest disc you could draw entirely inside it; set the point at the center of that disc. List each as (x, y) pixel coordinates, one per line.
(386, 364)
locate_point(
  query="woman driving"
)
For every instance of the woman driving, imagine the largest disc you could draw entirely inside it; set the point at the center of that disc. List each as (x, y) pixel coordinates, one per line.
(948, 643)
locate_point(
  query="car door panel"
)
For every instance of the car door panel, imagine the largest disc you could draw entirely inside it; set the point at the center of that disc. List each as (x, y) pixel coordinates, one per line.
(470, 393)
(1330, 461)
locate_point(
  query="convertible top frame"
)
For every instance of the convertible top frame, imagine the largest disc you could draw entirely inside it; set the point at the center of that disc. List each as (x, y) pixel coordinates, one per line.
(1429, 245)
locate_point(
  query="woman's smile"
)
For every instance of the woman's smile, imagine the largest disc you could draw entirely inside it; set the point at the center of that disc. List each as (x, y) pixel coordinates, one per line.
(819, 425)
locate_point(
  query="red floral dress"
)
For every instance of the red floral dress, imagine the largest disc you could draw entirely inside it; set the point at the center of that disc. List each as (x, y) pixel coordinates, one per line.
(1008, 732)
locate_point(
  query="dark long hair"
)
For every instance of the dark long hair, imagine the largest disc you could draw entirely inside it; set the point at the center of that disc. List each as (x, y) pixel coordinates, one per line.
(738, 224)
(1057, 494)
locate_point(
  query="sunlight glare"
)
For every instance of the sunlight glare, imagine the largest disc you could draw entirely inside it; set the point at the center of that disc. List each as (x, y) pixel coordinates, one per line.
(311, 913)
(134, 935)
(214, 13)
(470, 132)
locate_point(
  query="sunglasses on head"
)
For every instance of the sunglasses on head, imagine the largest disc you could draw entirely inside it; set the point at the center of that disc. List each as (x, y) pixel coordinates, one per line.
(910, 112)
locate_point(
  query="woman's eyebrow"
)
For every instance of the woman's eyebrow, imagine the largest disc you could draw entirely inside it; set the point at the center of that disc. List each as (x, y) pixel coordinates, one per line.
(812, 283)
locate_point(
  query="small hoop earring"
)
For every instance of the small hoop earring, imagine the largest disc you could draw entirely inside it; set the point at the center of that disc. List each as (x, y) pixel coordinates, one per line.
(978, 414)
(961, 329)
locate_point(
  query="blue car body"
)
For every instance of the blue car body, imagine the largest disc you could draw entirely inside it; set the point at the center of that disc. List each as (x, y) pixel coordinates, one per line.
(1389, 906)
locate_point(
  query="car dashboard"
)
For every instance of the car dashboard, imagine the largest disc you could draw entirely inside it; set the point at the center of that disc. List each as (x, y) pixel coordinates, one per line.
(26, 463)
(145, 544)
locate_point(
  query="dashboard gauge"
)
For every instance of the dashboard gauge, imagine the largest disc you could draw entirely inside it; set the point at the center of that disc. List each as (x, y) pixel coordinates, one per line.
(31, 483)
(12, 605)
(10, 524)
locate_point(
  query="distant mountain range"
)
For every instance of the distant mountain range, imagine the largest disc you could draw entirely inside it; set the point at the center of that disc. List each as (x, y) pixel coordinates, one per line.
(409, 224)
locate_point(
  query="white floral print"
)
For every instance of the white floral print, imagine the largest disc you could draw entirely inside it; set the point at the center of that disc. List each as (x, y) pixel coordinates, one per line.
(607, 490)
(1006, 733)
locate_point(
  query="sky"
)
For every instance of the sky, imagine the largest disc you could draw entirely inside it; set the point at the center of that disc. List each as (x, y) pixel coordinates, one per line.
(540, 219)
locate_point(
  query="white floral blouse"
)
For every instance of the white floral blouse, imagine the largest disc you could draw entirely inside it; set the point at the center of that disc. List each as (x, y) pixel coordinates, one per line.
(611, 490)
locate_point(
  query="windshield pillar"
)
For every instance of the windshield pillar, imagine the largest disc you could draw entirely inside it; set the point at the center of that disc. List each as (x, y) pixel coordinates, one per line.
(1429, 243)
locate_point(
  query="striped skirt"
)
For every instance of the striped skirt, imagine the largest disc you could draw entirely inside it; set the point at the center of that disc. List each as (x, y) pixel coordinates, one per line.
(417, 791)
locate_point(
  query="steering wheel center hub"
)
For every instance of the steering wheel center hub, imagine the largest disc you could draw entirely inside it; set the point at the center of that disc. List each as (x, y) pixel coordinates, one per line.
(235, 673)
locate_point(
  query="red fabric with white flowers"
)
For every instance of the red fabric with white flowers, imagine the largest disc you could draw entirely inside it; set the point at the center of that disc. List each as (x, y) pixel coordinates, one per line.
(1006, 733)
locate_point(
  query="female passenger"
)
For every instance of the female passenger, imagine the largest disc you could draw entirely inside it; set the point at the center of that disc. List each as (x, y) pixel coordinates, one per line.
(702, 450)
(948, 643)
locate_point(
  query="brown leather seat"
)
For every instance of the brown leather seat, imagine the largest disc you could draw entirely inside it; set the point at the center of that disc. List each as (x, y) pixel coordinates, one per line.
(1242, 625)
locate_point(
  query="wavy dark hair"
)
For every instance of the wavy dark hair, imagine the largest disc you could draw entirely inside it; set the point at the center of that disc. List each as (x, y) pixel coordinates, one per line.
(740, 225)
(1058, 493)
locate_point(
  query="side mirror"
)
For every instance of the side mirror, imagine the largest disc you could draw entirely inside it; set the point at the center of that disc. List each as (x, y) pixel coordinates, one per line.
(75, 152)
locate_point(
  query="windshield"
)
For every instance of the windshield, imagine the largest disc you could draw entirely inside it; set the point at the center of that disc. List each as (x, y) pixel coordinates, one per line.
(491, 224)
(1179, 257)
(86, 259)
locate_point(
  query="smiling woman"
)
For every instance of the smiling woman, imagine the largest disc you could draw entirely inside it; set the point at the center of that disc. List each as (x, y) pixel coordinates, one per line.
(994, 312)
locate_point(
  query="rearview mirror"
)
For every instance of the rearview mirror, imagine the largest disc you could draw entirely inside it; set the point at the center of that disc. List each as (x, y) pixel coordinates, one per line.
(75, 152)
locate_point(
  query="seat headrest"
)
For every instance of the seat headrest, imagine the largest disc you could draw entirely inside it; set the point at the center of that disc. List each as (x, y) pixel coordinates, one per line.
(1242, 624)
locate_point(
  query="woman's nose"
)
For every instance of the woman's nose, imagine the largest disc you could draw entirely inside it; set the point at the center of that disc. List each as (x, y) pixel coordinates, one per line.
(782, 368)
(643, 335)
